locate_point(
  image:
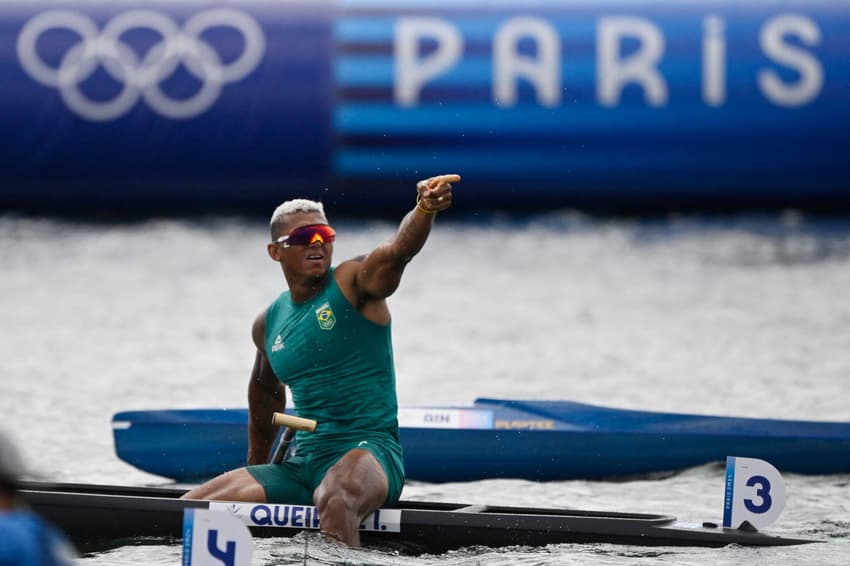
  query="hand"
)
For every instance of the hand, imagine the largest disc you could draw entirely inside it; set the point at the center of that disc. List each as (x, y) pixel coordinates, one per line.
(436, 192)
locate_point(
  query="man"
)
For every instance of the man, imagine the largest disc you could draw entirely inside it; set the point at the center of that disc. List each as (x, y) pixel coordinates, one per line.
(328, 339)
(25, 538)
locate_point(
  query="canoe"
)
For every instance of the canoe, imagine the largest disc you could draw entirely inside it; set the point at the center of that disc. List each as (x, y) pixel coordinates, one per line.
(499, 438)
(96, 517)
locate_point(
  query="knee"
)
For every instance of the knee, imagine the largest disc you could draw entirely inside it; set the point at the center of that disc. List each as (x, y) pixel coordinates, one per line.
(338, 496)
(356, 484)
(334, 503)
(236, 485)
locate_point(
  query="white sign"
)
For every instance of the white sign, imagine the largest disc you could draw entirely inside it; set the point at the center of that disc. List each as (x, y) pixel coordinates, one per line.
(427, 417)
(755, 493)
(213, 538)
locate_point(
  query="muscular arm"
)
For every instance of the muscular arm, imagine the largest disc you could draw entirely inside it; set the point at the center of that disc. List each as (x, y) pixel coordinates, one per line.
(378, 275)
(266, 394)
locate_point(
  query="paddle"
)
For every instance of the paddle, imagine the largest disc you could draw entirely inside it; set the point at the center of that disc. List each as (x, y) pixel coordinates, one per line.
(292, 423)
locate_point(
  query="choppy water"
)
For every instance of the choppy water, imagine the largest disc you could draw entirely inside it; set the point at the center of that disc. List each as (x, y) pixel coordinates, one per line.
(740, 315)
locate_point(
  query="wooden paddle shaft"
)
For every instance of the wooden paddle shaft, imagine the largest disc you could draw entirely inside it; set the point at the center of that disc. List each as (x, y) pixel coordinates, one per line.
(293, 422)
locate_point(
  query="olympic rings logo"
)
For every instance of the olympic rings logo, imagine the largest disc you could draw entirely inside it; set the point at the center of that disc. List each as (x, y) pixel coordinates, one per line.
(140, 77)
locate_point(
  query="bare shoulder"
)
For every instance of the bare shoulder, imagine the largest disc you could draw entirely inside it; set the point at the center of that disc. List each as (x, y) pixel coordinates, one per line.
(346, 274)
(258, 331)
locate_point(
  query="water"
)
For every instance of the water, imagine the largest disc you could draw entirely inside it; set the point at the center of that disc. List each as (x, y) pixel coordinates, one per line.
(734, 315)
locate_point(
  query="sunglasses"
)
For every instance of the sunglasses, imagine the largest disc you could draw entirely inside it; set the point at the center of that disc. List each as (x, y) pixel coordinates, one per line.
(308, 235)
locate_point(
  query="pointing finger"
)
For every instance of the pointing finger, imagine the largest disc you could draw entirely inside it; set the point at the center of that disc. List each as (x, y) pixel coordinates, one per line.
(442, 180)
(426, 186)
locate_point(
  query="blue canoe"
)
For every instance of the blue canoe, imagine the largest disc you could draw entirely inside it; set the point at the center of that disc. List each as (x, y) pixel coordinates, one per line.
(494, 438)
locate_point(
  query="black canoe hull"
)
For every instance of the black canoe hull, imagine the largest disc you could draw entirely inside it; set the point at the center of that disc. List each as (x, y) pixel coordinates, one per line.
(102, 516)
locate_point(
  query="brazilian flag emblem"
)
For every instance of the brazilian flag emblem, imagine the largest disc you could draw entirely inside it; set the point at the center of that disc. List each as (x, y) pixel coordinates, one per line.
(325, 317)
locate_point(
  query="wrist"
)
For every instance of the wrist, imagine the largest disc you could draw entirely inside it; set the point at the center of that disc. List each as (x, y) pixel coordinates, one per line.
(423, 209)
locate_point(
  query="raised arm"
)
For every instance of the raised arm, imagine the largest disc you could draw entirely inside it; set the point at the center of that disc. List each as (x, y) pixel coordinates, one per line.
(378, 274)
(266, 394)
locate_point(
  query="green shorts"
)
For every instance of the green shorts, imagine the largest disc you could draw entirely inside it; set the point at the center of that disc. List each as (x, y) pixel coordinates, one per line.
(294, 480)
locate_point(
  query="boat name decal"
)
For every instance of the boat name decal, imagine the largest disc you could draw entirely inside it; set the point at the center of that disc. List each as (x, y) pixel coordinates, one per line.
(427, 417)
(302, 516)
(534, 424)
(299, 516)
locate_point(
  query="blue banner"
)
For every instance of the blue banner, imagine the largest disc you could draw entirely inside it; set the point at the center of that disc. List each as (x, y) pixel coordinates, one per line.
(164, 106)
(190, 105)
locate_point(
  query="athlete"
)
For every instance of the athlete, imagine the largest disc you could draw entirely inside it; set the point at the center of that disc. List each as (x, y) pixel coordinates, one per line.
(25, 538)
(328, 339)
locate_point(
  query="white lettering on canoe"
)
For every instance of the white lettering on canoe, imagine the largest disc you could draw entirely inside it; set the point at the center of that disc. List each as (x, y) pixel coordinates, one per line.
(302, 516)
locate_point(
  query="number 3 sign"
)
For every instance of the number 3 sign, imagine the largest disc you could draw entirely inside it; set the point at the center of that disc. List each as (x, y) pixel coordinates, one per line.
(755, 493)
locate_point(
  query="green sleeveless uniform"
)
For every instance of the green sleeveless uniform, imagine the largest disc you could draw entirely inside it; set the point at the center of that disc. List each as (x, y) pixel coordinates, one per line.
(339, 368)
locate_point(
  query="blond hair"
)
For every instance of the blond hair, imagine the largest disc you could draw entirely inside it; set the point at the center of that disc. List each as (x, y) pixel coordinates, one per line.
(291, 207)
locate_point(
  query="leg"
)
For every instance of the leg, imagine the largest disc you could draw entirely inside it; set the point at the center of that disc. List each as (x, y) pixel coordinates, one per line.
(353, 487)
(236, 485)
